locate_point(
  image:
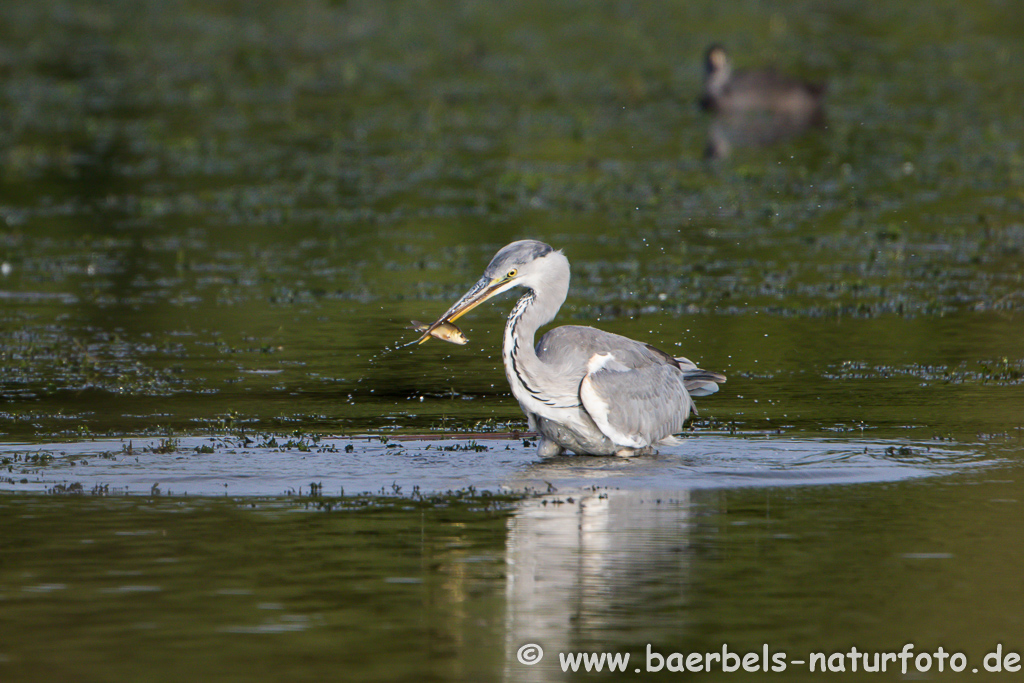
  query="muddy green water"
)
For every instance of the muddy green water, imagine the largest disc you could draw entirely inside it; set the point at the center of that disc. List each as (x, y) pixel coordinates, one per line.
(218, 219)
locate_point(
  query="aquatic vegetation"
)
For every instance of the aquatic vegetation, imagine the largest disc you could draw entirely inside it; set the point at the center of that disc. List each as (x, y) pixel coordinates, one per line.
(38, 458)
(468, 499)
(74, 488)
(168, 445)
(1003, 371)
(470, 446)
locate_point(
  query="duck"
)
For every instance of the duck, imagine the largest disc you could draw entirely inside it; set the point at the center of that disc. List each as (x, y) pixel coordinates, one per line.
(731, 91)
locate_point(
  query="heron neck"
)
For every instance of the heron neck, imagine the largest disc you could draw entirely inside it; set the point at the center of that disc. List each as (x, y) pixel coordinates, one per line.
(534, 310)
(540, 305)
(520, 356)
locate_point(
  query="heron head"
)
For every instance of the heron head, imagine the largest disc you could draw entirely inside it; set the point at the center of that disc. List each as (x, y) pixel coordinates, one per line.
(526, 263)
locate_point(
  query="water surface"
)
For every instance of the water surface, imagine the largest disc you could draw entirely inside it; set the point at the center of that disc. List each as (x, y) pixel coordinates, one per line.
(216, 222)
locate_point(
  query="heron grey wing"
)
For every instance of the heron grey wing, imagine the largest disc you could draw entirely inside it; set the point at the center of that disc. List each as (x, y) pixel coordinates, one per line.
(576, 344)
(565, 352)
(571, 348)
(635, 407)
(698, 382)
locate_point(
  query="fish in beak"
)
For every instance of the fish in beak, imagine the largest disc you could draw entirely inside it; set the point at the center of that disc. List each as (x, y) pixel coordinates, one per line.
(483, 290)
(445, 332)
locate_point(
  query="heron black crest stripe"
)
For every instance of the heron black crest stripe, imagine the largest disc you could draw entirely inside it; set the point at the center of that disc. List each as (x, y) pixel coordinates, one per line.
(539, 249)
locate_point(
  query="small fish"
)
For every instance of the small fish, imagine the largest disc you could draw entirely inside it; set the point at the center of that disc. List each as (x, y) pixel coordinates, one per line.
(444, 331)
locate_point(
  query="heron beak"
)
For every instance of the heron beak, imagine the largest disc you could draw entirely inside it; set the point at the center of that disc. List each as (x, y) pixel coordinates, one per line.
(483, 290)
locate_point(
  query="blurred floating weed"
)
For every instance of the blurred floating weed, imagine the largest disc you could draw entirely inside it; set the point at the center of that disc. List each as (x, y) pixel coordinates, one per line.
(1002, 370)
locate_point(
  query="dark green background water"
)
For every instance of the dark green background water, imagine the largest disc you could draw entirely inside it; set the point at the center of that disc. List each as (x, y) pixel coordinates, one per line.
(215, 218)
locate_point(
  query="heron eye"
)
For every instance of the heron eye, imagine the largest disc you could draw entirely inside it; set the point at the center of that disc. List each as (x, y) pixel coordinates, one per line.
(511, 273)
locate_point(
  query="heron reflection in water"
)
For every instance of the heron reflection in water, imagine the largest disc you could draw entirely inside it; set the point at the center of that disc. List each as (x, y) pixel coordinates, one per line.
(582, 389)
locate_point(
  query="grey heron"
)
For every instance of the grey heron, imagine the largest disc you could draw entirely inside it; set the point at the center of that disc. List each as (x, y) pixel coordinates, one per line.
(582, 389)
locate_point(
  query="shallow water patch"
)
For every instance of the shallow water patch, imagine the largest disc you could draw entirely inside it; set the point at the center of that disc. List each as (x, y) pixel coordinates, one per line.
(270, 466)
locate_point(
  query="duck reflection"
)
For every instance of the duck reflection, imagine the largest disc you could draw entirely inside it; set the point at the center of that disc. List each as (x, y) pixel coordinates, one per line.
(755, 108)
(582, 565)
(728, 132)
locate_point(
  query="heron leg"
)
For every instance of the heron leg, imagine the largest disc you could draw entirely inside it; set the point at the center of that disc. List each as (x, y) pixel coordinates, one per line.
(630, 452)
(547, 448)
